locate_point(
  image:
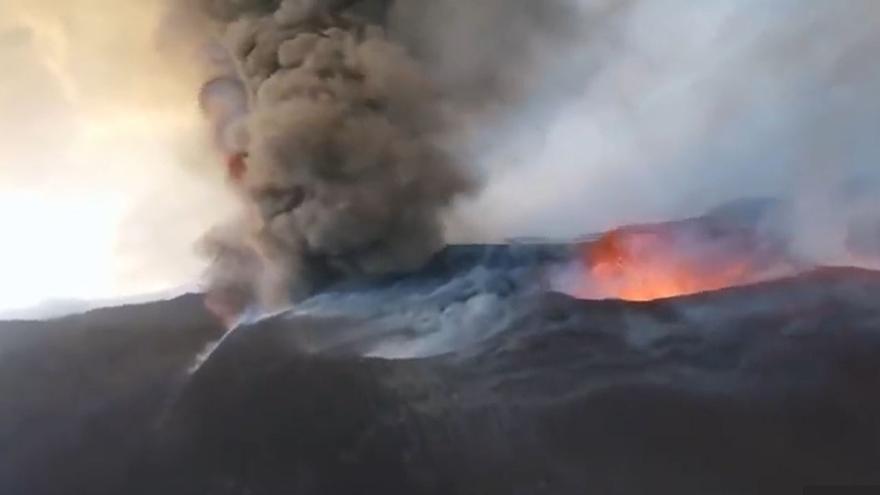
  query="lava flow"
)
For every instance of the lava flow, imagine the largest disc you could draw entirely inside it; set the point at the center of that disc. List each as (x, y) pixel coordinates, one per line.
(647, 264)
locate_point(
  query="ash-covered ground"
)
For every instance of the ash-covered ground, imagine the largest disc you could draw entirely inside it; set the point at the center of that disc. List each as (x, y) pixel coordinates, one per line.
(470, 376)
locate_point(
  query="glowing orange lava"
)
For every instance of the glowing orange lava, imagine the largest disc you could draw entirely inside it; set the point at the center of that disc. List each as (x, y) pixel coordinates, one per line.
(647, 265)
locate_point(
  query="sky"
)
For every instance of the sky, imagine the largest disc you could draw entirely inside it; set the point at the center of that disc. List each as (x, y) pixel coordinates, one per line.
(105, 177)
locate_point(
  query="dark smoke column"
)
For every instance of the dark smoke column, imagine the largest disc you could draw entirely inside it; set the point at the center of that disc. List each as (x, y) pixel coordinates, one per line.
(337, 153)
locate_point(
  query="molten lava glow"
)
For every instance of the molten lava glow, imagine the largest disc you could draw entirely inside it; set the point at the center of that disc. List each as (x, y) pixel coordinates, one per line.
(641, 266)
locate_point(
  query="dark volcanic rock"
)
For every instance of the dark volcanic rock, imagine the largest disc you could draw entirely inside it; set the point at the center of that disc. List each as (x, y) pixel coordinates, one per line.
(760, 389)
(79, 396)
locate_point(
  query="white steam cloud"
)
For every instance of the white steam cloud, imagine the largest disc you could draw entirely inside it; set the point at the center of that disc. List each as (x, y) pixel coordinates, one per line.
(634, 111)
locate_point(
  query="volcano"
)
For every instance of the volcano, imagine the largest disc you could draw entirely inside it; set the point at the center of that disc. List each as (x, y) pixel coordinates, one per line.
(477, 374)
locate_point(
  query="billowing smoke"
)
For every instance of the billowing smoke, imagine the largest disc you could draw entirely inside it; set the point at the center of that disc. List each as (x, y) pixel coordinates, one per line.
(577, 116)
(336, 143)
(580, 116)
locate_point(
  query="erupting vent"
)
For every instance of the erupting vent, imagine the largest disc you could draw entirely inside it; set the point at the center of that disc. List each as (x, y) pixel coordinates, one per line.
(647, 262)
(640, 266)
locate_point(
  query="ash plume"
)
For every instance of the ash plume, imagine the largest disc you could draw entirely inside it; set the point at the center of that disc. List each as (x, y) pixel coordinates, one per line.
(335, 144)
